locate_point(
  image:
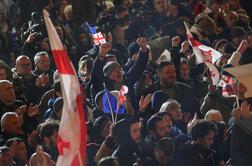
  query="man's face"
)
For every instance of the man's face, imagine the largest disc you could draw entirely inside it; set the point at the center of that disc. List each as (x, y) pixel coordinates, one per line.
(135, 132)
(176, 112)
(7, 94)
(167, 76)
(43, 63)
(160, 6)
(24, 67)
(184, 71)
(162, 129)
(116, 75)
(13, 125)
(3, 74)
(208, 140)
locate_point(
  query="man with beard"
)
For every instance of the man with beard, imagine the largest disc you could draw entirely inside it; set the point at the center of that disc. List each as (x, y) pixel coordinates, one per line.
(198, 152)
(48, 134)
(168, 88)
(127, 134)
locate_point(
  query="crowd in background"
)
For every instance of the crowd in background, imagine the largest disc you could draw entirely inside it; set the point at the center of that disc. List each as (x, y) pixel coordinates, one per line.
(173, 115)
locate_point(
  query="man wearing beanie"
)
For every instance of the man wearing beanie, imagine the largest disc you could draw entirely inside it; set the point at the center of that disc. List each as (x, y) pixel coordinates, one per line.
(112, 74)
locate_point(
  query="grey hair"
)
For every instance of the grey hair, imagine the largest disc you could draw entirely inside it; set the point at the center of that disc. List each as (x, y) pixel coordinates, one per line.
(38, 55)
(6, 116)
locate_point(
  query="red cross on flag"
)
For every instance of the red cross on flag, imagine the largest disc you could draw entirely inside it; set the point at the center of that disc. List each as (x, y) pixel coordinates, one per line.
(71, 141)
(98, 38)
(228, 86)
(204, 54)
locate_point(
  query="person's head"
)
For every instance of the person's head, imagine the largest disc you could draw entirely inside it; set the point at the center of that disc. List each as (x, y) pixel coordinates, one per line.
(249, 39)
(164, 150)
(23, 66)
(85, 67)
(234, 4)
(160, 6)
(230, 19)
(118, 33)
(42, 61)
(108, 161)
(213, 5)
(126, 132)
(166, 73)
(48, 133)
(57, 108)
(102, 125)
(203, 133)
(36, 159)
(166, 117)
(5, 71)
(10, 123)
(7, 94)
(158, 127)
(184, 69)
(237, 34)
(213, 115)
(121, 12)
(113, 71)
(20, 150)
(68, 13)
(206, 24)
(60, 32)
(173, 108)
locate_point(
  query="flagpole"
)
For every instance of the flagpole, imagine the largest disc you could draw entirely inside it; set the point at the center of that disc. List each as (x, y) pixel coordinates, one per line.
(111, 111)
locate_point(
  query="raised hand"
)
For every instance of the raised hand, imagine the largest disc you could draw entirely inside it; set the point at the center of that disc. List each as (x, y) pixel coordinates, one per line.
(144, 102)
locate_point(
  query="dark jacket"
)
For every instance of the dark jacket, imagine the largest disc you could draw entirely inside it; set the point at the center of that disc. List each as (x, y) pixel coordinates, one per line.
(192, 154)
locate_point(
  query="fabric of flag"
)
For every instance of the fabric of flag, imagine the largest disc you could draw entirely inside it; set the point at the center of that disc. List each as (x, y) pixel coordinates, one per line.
(98, 38)
(202, 52)
(214, 73)
(71, 140)
(110, 102)
(228, 85)
(89, 28)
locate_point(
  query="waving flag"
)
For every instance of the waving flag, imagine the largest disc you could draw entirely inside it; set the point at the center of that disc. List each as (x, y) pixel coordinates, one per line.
(204, 54)
(228, 85)
(71, 141)
(111, 103)
(97, 36)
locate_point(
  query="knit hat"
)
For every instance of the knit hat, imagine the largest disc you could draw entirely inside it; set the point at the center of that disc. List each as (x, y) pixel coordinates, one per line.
(237, 32)
(109, 67)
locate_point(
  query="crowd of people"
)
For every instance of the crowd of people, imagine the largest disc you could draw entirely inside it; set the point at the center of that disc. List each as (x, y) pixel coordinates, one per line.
(172, 115)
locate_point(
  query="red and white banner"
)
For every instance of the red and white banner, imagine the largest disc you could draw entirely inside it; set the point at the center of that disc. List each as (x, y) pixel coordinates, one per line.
(71, 139)
(204, 54)
(228, 85)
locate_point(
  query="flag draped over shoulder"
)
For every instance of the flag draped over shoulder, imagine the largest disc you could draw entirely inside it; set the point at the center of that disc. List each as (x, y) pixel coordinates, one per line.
(205, 54)
(71, 140)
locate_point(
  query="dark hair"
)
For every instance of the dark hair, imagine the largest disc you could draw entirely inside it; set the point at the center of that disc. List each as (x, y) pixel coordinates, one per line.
(4, 65)
(107, 161)
(202, 128)
(163, 64)
(166, 145)
(151, 123)
(48, 128)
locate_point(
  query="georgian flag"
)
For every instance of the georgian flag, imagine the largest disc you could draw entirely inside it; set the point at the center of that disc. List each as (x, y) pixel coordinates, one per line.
(71, 140)
(98, 38)
(204, 54)
(228, 85)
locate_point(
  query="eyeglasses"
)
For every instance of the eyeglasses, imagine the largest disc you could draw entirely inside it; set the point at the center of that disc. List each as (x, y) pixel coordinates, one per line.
(44, 62)
(25, 65)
